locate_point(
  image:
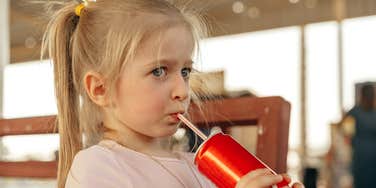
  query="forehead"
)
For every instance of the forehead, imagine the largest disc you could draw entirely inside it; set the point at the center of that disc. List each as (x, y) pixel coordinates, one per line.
(174, 43)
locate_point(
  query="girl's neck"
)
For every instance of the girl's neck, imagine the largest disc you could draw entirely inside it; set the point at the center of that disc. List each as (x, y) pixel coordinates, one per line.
(140, 143)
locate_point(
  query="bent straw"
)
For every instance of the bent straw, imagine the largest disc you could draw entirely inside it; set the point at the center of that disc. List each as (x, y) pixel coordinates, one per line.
(192, 127)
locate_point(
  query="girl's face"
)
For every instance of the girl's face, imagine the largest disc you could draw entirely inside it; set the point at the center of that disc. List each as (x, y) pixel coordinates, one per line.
(154, 87)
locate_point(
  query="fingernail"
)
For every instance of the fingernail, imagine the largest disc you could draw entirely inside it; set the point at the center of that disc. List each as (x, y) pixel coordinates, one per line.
(287, 177)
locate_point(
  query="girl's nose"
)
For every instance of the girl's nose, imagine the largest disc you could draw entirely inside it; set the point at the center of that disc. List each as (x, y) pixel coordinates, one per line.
(180, 89)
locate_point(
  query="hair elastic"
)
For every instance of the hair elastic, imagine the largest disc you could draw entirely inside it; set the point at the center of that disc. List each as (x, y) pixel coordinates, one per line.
(81, 5)
(78, 9)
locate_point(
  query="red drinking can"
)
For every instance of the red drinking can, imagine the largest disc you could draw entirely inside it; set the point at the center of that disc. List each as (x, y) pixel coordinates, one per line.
(224, 161)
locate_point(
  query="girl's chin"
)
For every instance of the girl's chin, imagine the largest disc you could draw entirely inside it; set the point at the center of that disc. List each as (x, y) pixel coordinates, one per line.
(163, 131)
(171, 130)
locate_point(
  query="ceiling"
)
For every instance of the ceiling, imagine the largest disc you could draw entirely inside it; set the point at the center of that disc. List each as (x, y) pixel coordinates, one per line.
(27, 21)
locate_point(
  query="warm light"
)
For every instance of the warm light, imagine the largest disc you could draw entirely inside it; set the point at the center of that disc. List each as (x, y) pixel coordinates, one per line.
(293, 1)
(238, 7)
(30, 42)
(30, 147)
(28, 90)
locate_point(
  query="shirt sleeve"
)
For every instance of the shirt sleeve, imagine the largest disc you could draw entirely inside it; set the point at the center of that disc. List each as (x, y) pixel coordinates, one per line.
(96, 169)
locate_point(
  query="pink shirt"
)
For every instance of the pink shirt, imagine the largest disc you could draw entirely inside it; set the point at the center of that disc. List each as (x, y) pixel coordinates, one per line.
(111, 165)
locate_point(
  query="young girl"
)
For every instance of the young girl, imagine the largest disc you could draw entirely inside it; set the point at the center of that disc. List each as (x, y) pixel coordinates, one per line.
(122, 71)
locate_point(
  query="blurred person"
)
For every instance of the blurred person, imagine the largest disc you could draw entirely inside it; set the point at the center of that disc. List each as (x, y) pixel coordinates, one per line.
(359, 128)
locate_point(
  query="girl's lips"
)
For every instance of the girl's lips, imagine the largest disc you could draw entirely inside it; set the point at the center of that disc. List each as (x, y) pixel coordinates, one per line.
(174, 117)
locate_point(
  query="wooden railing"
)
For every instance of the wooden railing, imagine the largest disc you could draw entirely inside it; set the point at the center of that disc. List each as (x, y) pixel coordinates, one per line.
(270, 114)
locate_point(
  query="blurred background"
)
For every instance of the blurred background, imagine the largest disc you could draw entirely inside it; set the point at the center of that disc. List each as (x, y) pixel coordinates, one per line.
(314, 53)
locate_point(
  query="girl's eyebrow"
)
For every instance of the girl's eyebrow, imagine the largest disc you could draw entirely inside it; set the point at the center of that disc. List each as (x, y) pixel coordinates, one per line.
(166, 61)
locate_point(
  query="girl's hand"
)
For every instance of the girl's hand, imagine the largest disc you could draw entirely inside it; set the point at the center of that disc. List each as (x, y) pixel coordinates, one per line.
(295, 185)
(263, 178)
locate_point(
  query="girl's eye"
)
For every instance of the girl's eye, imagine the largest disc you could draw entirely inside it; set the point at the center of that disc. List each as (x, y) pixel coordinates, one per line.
(158, 72)
(185, 72)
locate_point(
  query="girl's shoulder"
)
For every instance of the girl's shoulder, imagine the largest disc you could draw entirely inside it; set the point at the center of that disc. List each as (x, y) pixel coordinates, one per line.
(96, 154)
(96, 166)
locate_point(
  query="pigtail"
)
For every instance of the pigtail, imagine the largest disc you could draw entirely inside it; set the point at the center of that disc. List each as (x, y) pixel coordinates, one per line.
(57, 41)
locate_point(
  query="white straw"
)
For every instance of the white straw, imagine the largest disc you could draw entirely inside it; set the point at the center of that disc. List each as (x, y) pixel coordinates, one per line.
(192, 127)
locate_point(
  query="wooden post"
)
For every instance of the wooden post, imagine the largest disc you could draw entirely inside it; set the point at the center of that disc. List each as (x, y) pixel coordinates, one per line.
(303, 99)
(4, 46)
(4, 52)
(340, 14)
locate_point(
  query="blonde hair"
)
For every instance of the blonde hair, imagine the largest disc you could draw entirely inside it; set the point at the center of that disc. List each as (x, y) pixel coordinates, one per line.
(103, 38)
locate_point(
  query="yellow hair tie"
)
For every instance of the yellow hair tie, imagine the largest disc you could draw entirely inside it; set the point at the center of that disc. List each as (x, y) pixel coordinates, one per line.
(78, 9)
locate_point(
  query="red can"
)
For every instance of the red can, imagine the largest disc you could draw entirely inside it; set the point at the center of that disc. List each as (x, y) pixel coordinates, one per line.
(224, 161)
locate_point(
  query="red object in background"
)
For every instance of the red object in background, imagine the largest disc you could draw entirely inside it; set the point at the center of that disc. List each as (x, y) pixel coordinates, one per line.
(224, 161)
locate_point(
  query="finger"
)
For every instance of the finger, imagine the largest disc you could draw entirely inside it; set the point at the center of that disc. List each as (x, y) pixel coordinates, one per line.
(258, 172)
(265, 181)
(297, 185)
(286, 177)
(252, 175)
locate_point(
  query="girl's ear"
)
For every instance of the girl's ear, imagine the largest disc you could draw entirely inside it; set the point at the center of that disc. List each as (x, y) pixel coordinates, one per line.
(94, 84)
